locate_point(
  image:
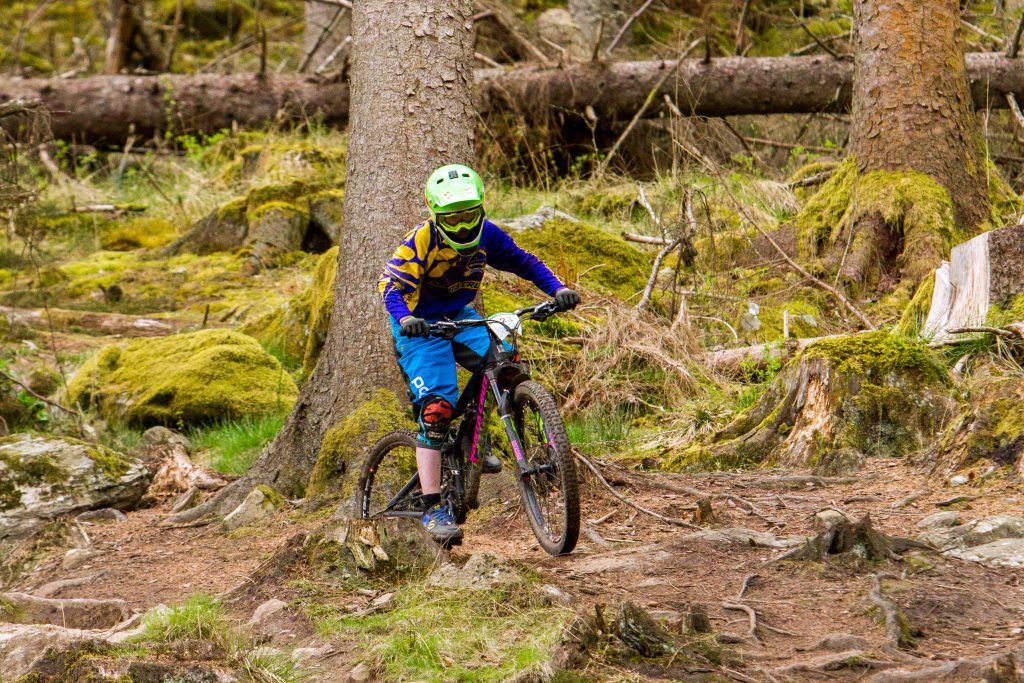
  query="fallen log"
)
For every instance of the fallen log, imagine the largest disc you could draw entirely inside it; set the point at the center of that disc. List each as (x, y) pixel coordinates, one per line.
(104, 107)
(90, 322)
(733, 362)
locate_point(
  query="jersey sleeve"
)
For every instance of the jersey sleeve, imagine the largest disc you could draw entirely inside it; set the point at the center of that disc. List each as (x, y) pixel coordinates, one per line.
(504, 254)
(399, 284)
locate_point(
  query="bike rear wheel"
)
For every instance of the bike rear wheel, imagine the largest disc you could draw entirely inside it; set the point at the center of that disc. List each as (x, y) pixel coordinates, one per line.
(550, 489)
(390, 468)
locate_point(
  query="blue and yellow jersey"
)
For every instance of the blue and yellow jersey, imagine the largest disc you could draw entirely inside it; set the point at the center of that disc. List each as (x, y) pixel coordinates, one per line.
(427, 278)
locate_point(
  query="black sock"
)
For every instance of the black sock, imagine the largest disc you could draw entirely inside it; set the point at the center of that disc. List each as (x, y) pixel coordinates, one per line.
(430, 500)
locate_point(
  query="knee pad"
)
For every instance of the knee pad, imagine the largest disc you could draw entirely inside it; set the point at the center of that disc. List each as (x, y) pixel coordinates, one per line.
(435, 419)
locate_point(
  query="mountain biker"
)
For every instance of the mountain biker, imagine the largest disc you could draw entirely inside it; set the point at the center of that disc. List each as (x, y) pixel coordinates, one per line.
(435, 274)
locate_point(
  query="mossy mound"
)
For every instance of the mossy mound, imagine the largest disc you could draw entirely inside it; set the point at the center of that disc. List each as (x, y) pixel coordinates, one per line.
(137, 233)
(594, 258)
(1011, 312)
(879, 393)
(988, 429)
(347, 444)
(881, 225)
(296, 331)
(183, 379)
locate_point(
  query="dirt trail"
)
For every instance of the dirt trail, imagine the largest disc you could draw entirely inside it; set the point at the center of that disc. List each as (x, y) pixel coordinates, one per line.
(957, 608)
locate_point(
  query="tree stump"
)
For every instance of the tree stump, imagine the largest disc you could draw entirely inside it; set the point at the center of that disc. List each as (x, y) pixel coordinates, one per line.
(983, 278)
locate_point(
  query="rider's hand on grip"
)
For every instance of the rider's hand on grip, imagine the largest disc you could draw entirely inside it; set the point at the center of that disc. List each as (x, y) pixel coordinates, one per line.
(567, 298)
(414, 327)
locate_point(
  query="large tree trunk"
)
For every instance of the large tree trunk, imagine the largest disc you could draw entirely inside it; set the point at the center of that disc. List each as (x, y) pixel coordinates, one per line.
(403, 126)
(912, 106)
(105, 107)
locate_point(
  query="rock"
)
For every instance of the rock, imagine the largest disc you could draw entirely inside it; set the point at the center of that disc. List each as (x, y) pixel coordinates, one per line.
(43, 477)
(974, 533)
(260, 503)
(76, 613)
(839, 463)
(359, 674)
(275, 228)
(553, 595)
(265, 621)
(840, 642)
(1006, 552)
(481, 571)
(301, 655)
(76, 557)
(557, 26)
(183, 379)
(51, 589)
(748, 537)
(187, 500)
(326, 212)
(158, 436)
(941, 520)
(101, 516)
(828, 518)
(24, 646)
(535, 220)
(959, 480)
(363, 548)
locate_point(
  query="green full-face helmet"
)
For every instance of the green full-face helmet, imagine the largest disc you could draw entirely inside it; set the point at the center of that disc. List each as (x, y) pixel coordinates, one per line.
(455, 196)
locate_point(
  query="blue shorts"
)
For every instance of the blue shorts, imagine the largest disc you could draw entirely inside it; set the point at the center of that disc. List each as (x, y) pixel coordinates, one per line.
(429, 363)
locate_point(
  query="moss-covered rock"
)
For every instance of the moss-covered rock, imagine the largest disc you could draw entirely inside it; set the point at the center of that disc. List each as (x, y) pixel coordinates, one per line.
(595, 258)
(42, 477)
(347, 444)
(183, 379)
(296, 330)
(879, 393)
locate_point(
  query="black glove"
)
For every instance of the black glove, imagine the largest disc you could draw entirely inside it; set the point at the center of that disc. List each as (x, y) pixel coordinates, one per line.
(414, 327)
(567, 298)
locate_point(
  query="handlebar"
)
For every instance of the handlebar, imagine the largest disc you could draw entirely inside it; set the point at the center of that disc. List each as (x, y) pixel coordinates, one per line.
(539, 312)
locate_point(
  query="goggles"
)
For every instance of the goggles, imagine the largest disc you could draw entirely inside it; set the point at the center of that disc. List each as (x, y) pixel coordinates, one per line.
(460, 221)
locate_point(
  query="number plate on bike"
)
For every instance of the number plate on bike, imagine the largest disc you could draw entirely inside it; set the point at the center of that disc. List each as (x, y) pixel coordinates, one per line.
(503, 324)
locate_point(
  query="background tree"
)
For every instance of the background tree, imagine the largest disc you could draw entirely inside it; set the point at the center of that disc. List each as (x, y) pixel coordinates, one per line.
(916, 181)
(402, 126)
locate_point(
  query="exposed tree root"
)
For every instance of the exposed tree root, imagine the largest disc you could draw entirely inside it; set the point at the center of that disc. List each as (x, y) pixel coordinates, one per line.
(851, 659)
(898, 629)
(859, 540)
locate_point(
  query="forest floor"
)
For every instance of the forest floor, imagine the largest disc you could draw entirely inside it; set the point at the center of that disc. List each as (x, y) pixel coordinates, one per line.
(955, 608)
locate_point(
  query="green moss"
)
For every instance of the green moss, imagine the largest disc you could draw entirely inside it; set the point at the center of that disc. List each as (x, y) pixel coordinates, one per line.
(187, 378)
(10, 611)
(347, 443)
(877, 354)
(112, 464)
(916, 312)
(1006, 204)
(274, 498)
(913, 205)
(261, 211)
(288, 192)
(147, 233)
(576, 251)
(296, 330)
(1013, 312)
(233, 211)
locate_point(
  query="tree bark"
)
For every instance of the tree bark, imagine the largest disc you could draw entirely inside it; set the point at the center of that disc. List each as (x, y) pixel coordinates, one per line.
(122, 26)
(411, 112)
(102, 108)
(912, 107)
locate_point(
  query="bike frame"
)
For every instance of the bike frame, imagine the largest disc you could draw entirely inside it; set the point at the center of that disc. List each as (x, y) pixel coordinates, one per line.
(497, 360)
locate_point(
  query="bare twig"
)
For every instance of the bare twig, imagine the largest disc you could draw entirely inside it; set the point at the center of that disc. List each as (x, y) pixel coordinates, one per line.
(324, 33)
(172, 42)
(486, 60)
(499, 17)
(644, 239)
(625, 26)
(1011, 51)
(982, 32)
(13, 380)
(645, 299)
(740, 25)
(817, 282)
(822, 44)
(603, 166)
(597, 473)
(815, 179)
(1011, 99)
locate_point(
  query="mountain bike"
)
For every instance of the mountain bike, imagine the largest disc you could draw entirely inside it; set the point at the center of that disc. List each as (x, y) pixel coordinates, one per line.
(531, 427)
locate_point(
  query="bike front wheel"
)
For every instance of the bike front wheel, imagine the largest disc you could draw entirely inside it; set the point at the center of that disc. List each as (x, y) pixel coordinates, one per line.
(389, 485)
(548, 485)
